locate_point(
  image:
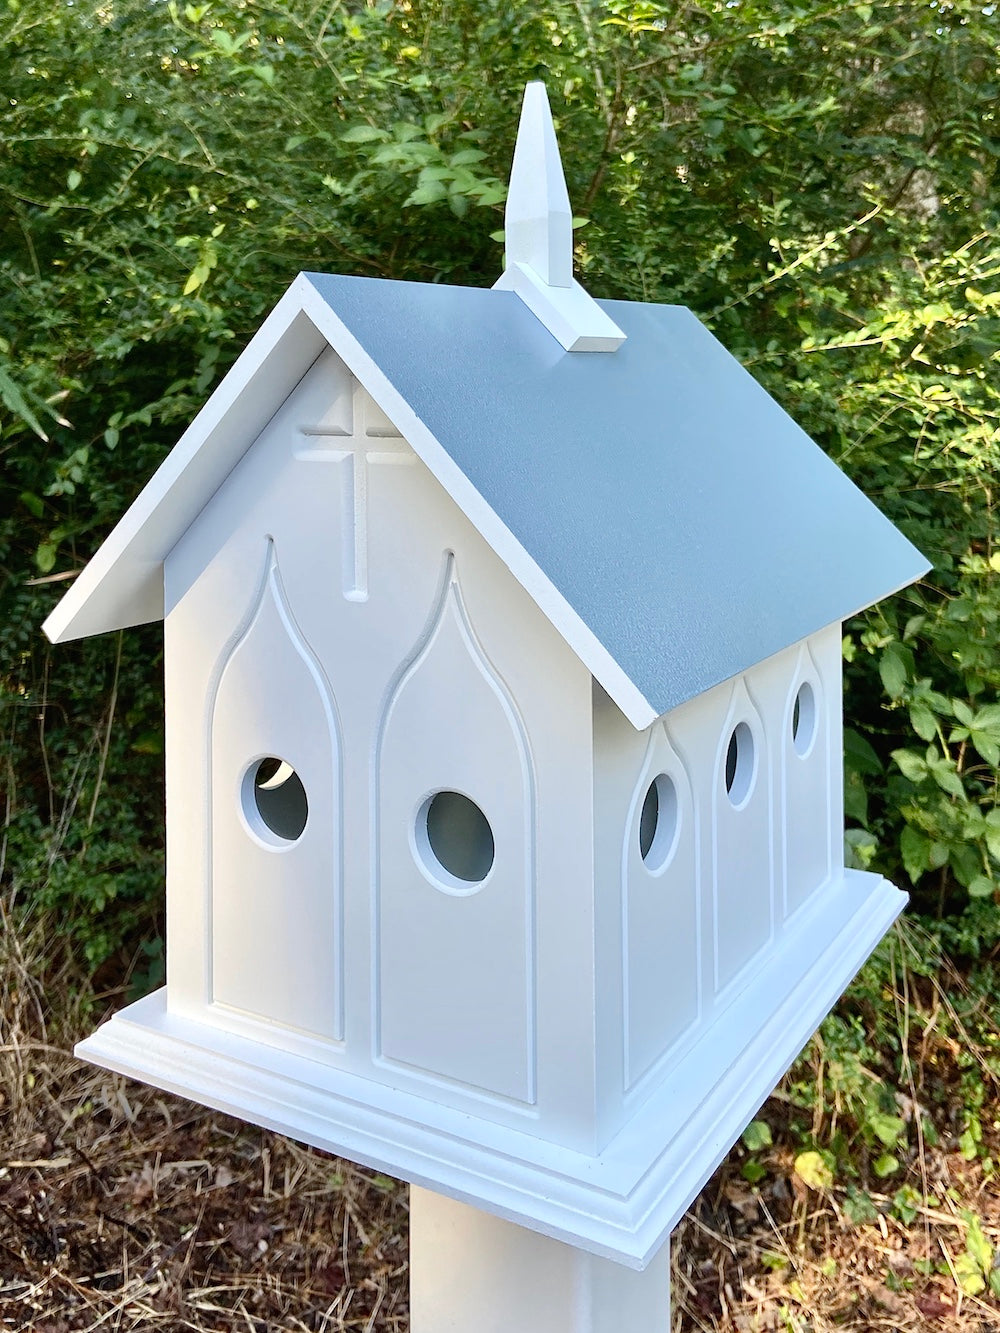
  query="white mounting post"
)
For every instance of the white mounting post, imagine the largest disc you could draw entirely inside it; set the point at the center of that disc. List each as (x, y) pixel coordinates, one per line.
(471, 1272)
(538, 226)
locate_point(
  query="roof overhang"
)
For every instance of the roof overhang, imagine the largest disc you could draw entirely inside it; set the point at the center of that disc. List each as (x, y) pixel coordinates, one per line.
(122, 585)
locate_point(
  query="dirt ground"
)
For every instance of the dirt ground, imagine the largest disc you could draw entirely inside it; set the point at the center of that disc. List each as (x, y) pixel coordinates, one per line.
(122, 1208)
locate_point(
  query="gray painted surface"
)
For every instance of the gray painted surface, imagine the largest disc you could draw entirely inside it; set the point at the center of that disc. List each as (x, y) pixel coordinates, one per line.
(689, 522)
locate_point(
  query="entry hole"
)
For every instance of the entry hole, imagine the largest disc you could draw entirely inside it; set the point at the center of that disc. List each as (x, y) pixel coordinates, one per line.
(456, 836)
(658, 823)
(804, 718)
(740, 764)
(278, 798)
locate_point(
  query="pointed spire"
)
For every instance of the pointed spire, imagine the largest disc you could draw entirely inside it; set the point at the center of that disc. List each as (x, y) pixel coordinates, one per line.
(539, 237)
(538, 220)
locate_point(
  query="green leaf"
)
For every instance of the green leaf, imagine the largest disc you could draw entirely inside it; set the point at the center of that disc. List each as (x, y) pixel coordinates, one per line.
(860, 847)
(73, 179)
(466, 157)
(962, 712)
(886, 1165)
(981, 887)
(945, 774)
(938, 855)
(987, 746)
(970, 1139)
(36, 506)
(894, 668)
(859, 1207)
(364, 134)
(859, 753)
(993, 832)
(45, 557)
(906, 1204)
(753, 1172)
(923, 721)
(196, 279)
(427, 193)
(914, 847)
(757, 1135)
(911, 764)
(977, 1246)
(855, 797)
(14, 399)
(889, 1129)
(988, 718)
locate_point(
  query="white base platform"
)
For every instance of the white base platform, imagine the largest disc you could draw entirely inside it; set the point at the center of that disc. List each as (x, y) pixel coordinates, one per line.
(621, 1205)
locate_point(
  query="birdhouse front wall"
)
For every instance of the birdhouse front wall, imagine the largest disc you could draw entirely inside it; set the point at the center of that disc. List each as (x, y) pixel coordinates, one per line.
(379, 784)
(716, 825)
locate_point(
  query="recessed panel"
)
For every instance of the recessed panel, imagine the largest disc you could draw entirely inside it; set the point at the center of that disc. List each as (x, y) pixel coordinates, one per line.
(455, 892)
(805, 784)
(660, 898)
(275, 826)
(742, 839)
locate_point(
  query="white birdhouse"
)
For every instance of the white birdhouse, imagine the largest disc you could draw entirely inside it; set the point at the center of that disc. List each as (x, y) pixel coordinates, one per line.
(503, 736)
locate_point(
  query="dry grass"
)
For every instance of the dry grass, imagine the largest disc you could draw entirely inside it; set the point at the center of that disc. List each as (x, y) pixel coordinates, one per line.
(122, 1208)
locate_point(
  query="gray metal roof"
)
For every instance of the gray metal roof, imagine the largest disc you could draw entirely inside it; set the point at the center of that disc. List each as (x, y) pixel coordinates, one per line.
(692, 526)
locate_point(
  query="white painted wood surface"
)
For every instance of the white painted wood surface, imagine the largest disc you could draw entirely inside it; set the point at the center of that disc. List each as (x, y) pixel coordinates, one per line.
(474, 1273)
(483, 999)
(538, 220)
(733, 876)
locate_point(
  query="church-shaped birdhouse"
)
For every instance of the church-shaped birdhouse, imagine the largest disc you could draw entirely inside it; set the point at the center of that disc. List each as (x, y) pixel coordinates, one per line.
(503, 735)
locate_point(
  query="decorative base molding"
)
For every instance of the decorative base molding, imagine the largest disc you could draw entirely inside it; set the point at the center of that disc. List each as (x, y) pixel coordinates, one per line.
(570, 314)
(620, 1205)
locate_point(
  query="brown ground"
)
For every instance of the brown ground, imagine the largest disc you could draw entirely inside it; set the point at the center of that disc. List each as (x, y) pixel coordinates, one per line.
(122, 1208)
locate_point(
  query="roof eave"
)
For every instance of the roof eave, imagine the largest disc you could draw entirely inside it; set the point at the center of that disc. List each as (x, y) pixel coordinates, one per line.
(122, 584)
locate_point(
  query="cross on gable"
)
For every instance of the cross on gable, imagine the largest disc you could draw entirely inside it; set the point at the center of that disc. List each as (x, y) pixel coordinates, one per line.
(364, 436)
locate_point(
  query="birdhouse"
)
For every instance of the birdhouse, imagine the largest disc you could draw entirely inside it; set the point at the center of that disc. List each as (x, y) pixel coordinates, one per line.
(503, 736)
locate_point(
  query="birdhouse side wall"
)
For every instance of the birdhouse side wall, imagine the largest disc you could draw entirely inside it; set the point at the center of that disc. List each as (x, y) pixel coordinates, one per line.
(713, 829)
(333, 611)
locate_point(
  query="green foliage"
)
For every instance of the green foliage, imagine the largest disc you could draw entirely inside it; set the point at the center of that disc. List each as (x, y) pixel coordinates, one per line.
(818, 182)
(974, 1267)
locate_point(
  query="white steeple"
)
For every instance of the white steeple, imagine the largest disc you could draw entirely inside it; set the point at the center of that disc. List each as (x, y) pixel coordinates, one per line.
(539, 237)
(538, 219)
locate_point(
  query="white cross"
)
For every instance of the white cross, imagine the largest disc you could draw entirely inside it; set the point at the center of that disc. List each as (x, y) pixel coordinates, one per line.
(356, 451)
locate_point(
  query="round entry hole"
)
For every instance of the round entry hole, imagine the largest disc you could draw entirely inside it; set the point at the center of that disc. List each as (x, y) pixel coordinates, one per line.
(804, 718)
(455, 838)
(740, 764)
(658, 823)
(273, 792)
